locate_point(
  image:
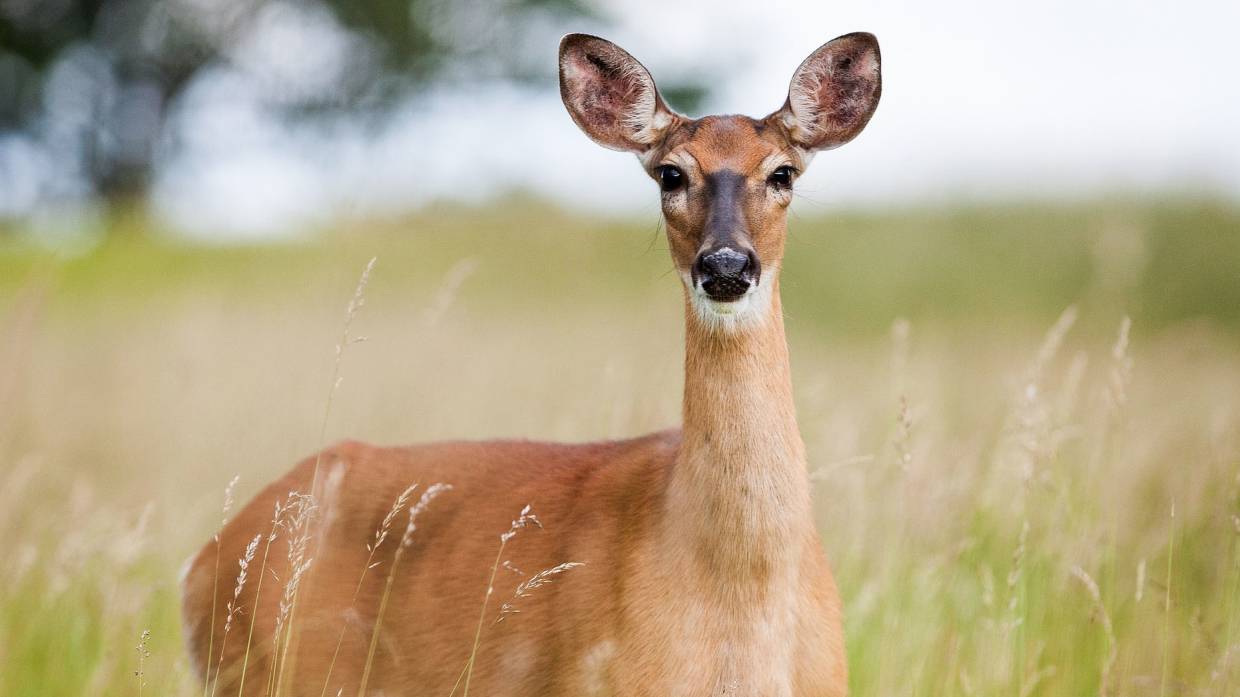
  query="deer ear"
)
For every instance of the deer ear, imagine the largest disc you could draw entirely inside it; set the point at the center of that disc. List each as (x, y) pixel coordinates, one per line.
(834, 92)
(610, 95)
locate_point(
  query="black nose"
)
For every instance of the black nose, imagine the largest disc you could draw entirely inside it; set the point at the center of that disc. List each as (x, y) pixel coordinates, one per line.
(725, 273)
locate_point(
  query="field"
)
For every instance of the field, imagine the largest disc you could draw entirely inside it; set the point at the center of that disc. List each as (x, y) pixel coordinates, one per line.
(1023, 421)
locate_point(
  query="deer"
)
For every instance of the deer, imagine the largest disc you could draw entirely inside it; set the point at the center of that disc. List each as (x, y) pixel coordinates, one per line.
(696, 567)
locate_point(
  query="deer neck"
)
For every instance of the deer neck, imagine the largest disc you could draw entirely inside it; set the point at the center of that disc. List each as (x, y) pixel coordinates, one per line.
(739, 490)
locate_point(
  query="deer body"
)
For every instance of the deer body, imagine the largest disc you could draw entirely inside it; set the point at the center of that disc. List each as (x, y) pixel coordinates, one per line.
(703, 572)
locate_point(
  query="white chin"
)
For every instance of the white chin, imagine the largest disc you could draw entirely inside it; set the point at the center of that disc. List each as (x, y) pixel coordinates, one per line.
(749, 310)
(726, 317)
(730, 308)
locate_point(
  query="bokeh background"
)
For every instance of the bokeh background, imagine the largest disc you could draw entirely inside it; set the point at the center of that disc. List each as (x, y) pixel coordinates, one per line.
(1013, 304)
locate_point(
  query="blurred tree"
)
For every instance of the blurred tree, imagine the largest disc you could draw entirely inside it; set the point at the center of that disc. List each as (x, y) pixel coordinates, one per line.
(92, 82)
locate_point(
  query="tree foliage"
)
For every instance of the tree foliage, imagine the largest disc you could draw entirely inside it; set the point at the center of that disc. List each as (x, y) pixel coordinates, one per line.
(93, 81)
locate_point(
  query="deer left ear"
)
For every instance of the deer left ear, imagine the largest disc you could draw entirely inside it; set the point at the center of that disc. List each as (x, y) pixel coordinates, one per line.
(610, 95)
(834, 92)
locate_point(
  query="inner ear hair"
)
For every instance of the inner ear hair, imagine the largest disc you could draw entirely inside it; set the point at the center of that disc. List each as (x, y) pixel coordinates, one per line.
(834, 92)
(610, 95)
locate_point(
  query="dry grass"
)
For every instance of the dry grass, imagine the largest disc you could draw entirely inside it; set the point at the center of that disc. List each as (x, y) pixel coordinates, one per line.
(996, 495)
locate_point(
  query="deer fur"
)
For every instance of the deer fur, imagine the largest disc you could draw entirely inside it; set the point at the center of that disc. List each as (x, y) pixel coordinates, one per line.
(703, 571)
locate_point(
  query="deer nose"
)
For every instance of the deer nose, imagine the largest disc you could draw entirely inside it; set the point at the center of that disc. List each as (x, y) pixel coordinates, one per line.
(726, 274)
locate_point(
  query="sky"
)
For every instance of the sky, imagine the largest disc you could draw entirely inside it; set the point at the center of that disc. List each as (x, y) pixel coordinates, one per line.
(981, 101)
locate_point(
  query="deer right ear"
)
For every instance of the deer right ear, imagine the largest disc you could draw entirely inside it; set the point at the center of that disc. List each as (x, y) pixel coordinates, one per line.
(834, 92)
(610, 95)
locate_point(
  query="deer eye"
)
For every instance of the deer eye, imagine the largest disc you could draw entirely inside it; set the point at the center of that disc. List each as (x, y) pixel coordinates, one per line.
(782, 177)
(670, 177)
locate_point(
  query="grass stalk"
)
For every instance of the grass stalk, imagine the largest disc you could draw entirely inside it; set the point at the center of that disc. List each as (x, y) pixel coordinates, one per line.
(1095, 595)
(356, 303)
(277, 688)
(143, 654)
(524, 519)
(258, 591)
(215, 581)
(1166, 662)
(405, 541)
(381, 535)
(215, 588)
(473, 654)
(302, 509)
(233, 605)
(1232, 604)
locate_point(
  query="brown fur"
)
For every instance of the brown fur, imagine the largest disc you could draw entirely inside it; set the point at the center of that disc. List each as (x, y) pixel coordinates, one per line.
(703, 575)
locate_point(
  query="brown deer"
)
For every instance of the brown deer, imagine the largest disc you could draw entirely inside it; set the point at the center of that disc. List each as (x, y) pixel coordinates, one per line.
(702, 574)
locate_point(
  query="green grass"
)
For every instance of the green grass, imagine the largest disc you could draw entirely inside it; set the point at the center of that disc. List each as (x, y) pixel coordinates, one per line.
(137, 379)
(850, 272)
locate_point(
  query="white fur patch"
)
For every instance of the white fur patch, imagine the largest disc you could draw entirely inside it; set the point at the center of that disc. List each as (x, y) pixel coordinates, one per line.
(190, 623)
(518, 660)
(183, 574)
(594, 669)
(750, 310)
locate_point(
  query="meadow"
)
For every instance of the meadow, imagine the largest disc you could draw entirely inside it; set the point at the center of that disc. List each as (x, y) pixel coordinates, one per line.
(1023, 420)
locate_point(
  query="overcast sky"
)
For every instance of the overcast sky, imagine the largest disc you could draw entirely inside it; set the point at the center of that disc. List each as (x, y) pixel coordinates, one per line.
(1058, 98)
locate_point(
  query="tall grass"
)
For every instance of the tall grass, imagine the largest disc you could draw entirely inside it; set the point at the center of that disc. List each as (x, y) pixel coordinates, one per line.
(523, 520)
(406, 539)
(993, 484)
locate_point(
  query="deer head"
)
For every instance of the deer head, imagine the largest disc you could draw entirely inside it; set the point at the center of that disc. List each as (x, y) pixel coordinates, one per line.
(726, 181)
